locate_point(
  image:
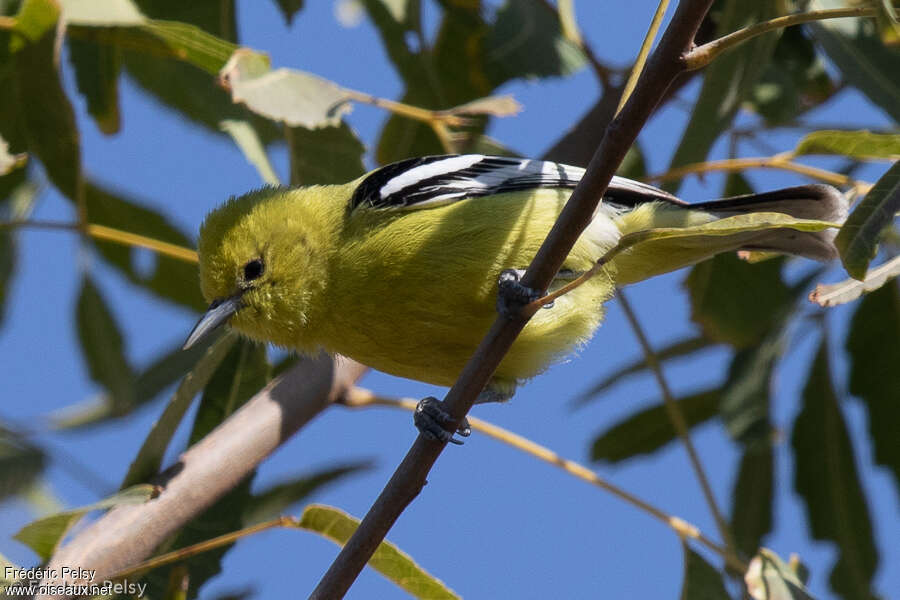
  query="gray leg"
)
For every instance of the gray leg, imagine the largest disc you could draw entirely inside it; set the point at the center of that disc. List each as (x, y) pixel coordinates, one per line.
(512, 295)
(432, 420)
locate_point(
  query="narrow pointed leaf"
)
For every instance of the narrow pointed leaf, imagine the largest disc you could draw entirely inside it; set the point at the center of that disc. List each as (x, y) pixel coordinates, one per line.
(328, 155)
(44, 535)
(826, 479)
(701, 581)
(277, 499)
(21, 463)
(768, 578)
(752, 497)
(850, 289)
(248, 141)
(874, 352)
(97, 76)
(650, 429)
(394, 564)
(857, 240)
(862, 145)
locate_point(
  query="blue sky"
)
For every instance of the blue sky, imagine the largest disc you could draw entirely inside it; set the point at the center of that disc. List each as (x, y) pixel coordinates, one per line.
(492, 522)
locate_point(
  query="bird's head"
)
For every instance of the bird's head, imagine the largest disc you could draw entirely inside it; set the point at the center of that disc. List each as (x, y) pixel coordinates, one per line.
(261, 265)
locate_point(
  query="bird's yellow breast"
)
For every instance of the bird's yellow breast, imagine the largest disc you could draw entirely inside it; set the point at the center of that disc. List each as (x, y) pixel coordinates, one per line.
(413, 292)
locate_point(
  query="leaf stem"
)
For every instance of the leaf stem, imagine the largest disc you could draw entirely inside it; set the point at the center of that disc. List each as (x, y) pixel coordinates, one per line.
(359, 398)
(779, 161)
(110, 234)
(644, 52)
(678, 421)
(204, 546)
(701, 56)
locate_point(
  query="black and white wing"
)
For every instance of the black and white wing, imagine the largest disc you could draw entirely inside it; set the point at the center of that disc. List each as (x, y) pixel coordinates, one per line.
(435, 180)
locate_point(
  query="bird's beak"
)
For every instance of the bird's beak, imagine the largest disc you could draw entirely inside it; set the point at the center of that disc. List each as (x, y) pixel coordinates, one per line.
(216, 315)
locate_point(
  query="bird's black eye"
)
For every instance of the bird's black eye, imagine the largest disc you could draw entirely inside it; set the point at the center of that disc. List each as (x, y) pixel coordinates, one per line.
(253, 269)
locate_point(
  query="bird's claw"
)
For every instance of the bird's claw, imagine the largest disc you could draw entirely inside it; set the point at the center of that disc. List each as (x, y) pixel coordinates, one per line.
(432, 420)
(512, 295)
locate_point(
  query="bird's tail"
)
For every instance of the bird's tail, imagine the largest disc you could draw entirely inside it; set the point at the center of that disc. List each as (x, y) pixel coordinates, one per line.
(819, 202)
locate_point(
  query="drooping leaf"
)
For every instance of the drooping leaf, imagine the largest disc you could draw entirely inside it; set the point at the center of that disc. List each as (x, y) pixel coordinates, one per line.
(678, 349)
(394, 564)
(168, 278)
(650, 429)
(289, 9)
(44, 535)
(728, 81)
(329, 155)
(735, 302)
(850, 289)
(794, 81)
(47, 118)
(149, 458)
(874, 351)
(825, 477)
(857, 241)
(295, 98)
(17, 196)
(752, 497)
(863, 145)
(768, 578)
(701, 581)
(527, 40)
(855, 48)
(278, 499)
(97, 76)
(35, 20)
(246, 139)
(746, 394)
(103, 348)
(21, 463)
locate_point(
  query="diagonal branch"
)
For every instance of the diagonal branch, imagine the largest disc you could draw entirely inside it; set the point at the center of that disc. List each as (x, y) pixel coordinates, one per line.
(665, 64)
(126, 535)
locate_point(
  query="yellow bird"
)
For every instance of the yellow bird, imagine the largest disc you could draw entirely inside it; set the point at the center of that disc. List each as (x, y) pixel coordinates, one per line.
(399, 268)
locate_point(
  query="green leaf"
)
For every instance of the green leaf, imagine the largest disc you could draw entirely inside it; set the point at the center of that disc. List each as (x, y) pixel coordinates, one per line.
(527, 40)
(677, 349)
(735, 302)
(101, 12)
(168, 278)
(874, 377)
(857, 241)
(728, 81)
(97, 76)
(149, 458)
(44, 535)
(278, 499)
(752, 497)
(854, 46)
(746, 394)
(289, 8)
(394, 564)
(702, 581)
(650, 429)
(103, 349)
(248, 142)
(825, 477)
(21, 463)
(851, 289)
(329, 155)
(295, 98)
(17, 195)
(46, 116)
(768, 578)
(862, 145)
(793, 82)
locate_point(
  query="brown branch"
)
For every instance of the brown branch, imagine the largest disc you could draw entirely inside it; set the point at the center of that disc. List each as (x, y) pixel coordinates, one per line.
(665, 64)
(126, 535)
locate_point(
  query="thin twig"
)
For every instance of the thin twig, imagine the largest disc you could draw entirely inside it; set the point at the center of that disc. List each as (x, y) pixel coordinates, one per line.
(779, 161)
(664, 66)
(703, 55)
(110, 234)
(358, 397)
(678, 421)
(644, 52)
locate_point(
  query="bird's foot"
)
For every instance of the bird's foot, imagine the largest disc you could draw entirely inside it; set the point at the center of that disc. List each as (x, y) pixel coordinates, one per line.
(432, 420)
(512, 295)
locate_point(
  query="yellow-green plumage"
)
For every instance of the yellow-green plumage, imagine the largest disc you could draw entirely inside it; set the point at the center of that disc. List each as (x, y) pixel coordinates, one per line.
(412, 290)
